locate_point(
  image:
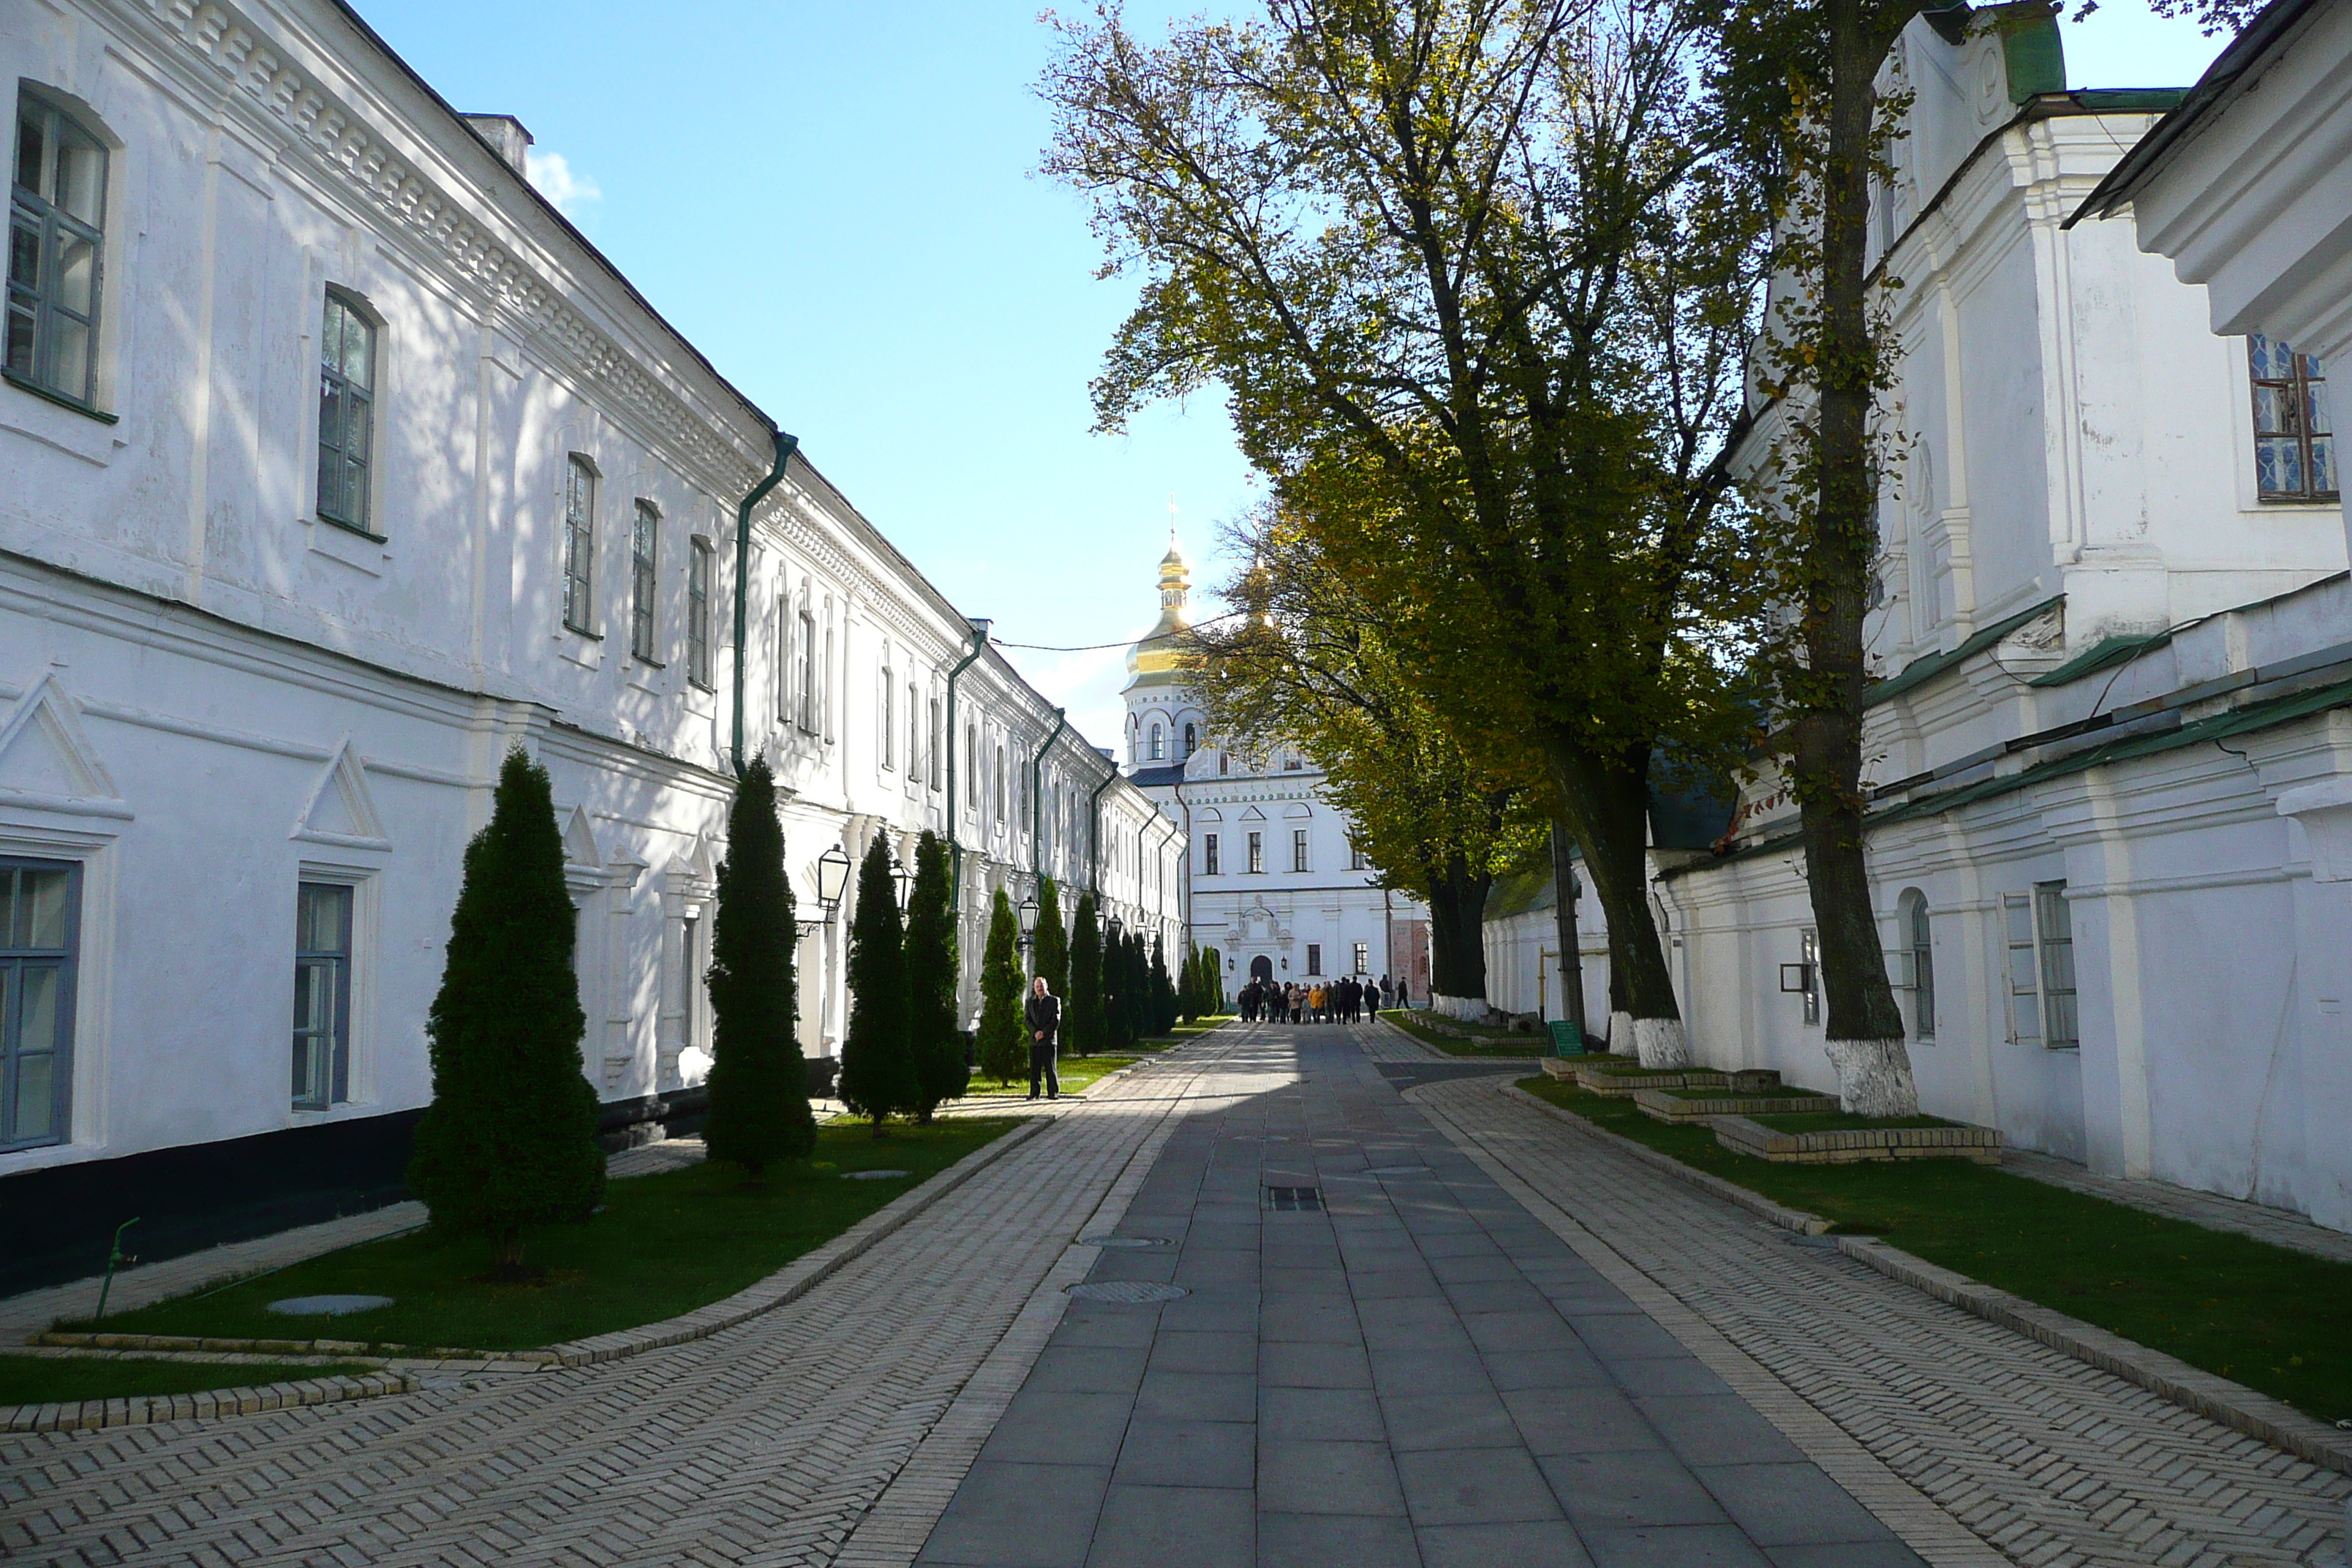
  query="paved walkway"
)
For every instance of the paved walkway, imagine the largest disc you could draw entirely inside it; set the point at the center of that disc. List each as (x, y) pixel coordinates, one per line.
(1415, 1370)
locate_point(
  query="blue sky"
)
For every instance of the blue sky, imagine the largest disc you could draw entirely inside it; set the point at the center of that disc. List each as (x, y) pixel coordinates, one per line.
(837, 205)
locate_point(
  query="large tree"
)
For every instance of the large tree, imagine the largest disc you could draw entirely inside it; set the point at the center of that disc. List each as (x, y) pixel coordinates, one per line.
(1082, 1005)
(931, 976)
(1050, 954)
(1478, 294)
(880, 1077)
(510, 1139)
(759, 1083)
(1003, 1038)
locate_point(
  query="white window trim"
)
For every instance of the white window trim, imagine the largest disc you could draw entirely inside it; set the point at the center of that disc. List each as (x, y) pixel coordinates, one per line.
(366, 883)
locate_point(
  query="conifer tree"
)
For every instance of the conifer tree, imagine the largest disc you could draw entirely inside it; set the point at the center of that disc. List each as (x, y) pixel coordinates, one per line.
(1116, 1029)
(1188, 986)
(1163, 991)
(931, 975)
(1082, 1011)
(510, 1139)
(759, 1083)
(1004, 1040)
(878, 1062)
(1051, 955)
(1137, 991)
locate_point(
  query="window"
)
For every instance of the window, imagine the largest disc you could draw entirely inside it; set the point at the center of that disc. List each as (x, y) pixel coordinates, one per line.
(1224, 765)
(996, 796)
(808, 673)
(1314, 958)
(2294, 442)
(1298, 849)
(56, 208)
(1355, 858)
(644, 541)
(784, 657)
(914, 734)
(937, 754)
(2053, 921)
(1158, 748)
(1256, 853)
(697, 613)
(39, 916)
(322, 995)
(1191, 736)
(346, 412)
(1209, 855)
(824, 691)
(1363, 959)
(1917, 938)
(972, 766)
(1292, 761)
(1808, 954)
(579, 542)
(889, 721)
(690, 982)
(2024, 994)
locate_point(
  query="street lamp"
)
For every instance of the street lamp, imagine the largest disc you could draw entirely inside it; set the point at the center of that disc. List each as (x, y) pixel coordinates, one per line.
(1113, 927)
(1028, 920)
(832, 877)
(905, 880)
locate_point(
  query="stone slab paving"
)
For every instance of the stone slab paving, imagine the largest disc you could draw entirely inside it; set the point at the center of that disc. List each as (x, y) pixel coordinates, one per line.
(2053, 1460)
(771, 1442)
(2211, 1210)
(1419, 1372)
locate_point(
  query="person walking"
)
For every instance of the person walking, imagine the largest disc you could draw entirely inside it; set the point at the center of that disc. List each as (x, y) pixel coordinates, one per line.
(1043, 1012)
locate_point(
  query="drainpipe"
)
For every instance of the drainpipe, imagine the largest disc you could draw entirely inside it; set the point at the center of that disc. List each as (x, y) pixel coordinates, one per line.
(785, 446)
(955, 803)
(1094, 832)
(1183, 874)
(1037, 796)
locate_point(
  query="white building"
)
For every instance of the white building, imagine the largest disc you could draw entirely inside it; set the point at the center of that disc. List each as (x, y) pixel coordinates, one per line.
(333, 463)
(1276, 882)
(2118, 694)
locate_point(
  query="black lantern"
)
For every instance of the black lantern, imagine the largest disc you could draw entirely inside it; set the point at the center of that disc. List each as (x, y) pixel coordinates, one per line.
(904, 880)
(832, 877)
(1113, 927)
(1028, 912)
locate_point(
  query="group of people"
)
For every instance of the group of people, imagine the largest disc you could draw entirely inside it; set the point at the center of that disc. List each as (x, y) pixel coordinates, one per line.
(1343, 1001)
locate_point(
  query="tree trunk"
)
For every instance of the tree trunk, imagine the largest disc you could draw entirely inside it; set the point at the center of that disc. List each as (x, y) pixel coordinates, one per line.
(1457, 919)
(1864, 1028)
(1606, 801)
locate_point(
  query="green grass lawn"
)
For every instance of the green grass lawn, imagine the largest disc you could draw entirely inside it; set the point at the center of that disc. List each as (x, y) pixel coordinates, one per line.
(664, 1244)
(2275, 1320)
(55, 1380)
(1076, 1073)
(1490, 1043)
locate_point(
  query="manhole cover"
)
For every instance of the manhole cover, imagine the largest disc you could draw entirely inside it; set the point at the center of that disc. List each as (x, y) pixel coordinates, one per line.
(1122, 1241)
(1293, 1197)
(871, 1176)
(1396, 1169)
(326, 1306)
(1131, 1290)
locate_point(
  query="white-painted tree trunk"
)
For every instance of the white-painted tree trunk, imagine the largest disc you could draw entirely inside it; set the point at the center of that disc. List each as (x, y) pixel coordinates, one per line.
(1469, 1009)
(1660, 1042)
(1875, 1078)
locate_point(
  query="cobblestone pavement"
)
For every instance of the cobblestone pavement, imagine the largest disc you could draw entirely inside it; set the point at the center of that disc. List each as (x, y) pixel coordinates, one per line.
(2055, 1462)
(769, 1443)
(1411, 1370)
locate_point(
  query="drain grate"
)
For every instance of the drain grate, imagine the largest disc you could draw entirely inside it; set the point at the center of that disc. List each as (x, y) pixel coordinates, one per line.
(1122, 1241)
(1134, 1292)
(1294, 1198)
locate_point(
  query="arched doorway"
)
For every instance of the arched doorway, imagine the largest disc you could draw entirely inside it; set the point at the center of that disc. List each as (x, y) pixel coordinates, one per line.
(1261, 969)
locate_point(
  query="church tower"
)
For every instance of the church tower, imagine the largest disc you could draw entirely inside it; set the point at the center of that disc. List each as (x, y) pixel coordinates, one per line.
(1163, 721)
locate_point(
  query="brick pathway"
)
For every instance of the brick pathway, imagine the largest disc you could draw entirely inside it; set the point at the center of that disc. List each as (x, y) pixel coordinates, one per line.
(2055, 1462)
(769, 1443)
(1417, 1372)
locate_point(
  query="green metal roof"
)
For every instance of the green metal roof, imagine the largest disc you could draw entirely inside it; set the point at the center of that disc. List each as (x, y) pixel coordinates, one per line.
(2100, 655)
(1921, 671)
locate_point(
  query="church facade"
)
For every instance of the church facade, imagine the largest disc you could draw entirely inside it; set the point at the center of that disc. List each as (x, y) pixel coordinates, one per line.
(1273, 878)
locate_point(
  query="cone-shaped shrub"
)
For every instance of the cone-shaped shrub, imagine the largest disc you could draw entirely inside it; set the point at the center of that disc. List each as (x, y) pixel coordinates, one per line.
(931, 975)
(1051, 952)
(1163, 990)
(510, 1139)
(1004, 1040)
(1117, 1028)
(759, 1083)
(1136, 991)
(877, 1061)
(1082, 1017)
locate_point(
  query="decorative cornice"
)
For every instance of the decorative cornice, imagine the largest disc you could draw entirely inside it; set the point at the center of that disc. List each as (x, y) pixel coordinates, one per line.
(240, 53)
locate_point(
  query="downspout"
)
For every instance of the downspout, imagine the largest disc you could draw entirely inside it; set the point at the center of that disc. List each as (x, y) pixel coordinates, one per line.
(1093, 831)
(1174, 827)
(785, 446)
(1037, 797)
(1183, 876)
(955, 805)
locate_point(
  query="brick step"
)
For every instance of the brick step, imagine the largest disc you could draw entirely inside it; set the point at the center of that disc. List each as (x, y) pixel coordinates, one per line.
(1850, 1145)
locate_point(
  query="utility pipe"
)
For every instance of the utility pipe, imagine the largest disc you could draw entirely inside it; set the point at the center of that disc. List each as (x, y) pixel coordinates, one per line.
(1094, 833)
(785, 446)
(955, 843)
(1037, 796)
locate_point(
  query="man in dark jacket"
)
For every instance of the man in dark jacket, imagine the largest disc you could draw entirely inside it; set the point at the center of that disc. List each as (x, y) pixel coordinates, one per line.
(1043, 1012)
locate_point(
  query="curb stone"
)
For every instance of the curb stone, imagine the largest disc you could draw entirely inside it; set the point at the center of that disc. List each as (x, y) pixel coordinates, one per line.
(2232, 1405)
(785, 1286)
(143, 1409)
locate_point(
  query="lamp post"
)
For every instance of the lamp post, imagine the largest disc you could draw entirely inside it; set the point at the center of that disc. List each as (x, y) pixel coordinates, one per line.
(1028, 913)
(1113, 927)
(905, 880)
(832, 878)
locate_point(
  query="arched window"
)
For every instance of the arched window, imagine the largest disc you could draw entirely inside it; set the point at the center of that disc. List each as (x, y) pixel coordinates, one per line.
(1918, 941)
(1158, 748)
(1191, 739)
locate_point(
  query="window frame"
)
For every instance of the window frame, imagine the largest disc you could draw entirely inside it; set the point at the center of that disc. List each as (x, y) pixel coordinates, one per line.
(1300, 858)
(1919, 943)
(2053, 948)
(66, 961)
(352, 304)
(889, 717)
(1257, 852)
(1363, 956)
(805, 718)
(1158, 745)
(39, 212)
(579, 561)
(700, 559)
(1209, 855)
(2301, 394)
(339, 961)
(1315, 961)
(645, 582)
